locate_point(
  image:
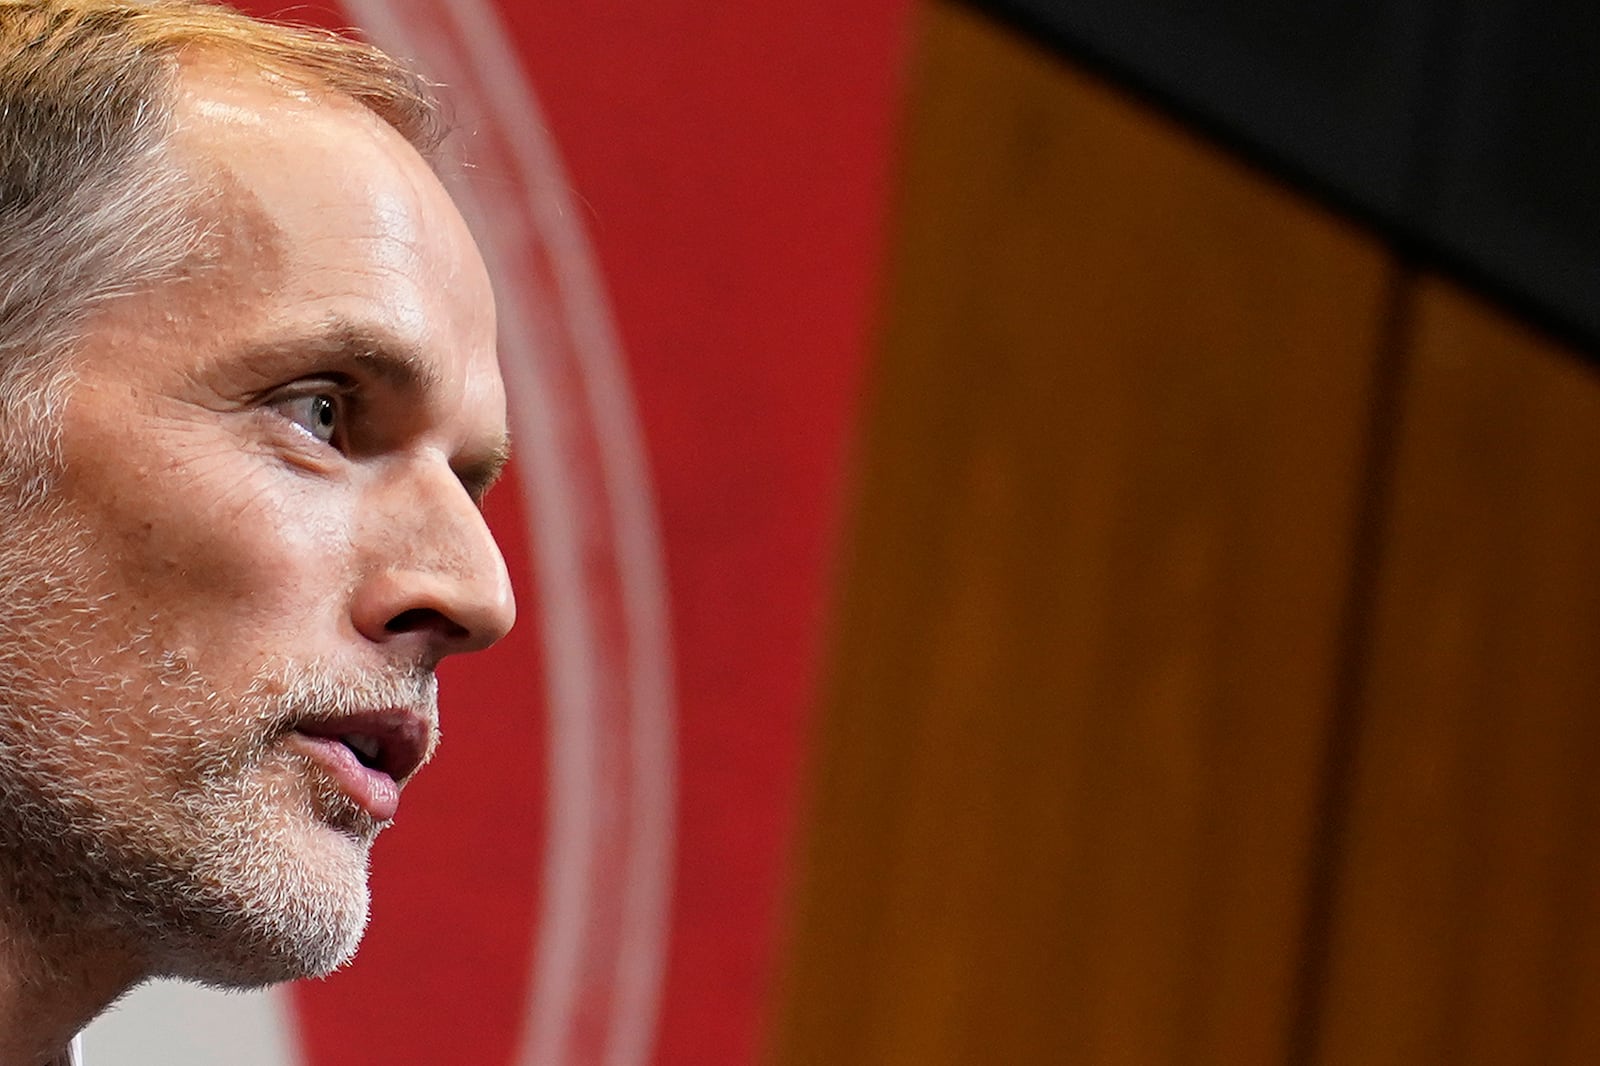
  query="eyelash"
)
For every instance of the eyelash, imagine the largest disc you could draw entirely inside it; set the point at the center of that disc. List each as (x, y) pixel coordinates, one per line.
(341, 394)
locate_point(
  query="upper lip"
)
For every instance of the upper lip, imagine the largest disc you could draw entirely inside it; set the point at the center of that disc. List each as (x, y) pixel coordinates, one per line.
(404, 736)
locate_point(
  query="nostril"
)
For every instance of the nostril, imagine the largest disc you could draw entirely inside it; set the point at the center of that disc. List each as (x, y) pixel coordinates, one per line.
(420, 618)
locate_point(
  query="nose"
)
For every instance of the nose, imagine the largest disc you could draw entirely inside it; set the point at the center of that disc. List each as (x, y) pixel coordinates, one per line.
(434, 582)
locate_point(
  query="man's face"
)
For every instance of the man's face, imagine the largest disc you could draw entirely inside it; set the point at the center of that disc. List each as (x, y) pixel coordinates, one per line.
(262, 536)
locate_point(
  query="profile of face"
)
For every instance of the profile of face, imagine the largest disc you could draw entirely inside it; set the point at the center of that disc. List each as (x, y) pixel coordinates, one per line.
(216, 666)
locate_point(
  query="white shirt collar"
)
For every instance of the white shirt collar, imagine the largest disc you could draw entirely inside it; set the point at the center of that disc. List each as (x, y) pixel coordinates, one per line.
(74, 1055)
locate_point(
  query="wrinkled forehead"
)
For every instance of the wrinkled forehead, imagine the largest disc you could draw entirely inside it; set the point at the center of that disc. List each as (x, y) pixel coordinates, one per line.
(315, 206)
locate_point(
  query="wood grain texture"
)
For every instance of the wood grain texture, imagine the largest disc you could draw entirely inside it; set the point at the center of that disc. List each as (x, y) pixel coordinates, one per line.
(1072, 734)
(1467, 928)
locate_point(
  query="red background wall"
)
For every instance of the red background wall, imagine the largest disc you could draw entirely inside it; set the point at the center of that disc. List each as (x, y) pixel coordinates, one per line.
(733, 166)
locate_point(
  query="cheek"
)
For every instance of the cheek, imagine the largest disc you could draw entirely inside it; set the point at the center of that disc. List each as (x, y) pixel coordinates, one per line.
(206, 556)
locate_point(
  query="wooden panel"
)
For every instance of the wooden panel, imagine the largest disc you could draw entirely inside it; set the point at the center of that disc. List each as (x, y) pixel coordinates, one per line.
(1069, 765)
(1468, 929)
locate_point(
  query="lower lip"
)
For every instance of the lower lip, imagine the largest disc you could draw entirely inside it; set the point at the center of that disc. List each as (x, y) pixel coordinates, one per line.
(373, 790)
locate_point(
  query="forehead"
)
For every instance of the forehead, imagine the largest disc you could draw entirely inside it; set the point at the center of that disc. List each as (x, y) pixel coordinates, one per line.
(317, 211)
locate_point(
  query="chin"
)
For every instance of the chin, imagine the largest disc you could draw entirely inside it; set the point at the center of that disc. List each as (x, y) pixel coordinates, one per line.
(302, 915)
(271, 886)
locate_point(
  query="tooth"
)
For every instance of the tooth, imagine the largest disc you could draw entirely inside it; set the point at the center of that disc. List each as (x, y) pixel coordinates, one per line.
(366, 746)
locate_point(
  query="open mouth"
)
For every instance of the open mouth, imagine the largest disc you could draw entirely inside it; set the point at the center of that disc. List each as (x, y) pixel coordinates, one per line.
(369, 755)
(392, 742)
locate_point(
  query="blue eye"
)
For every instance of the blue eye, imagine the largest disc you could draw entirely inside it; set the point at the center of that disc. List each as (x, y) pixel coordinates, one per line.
(317, 414)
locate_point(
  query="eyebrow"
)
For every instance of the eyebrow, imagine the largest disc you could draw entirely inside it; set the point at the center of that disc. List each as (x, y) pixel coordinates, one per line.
(479, 475)
(382, 357)
(376, 354)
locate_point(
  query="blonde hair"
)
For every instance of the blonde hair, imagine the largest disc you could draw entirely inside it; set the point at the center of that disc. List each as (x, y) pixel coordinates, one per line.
(91, 206)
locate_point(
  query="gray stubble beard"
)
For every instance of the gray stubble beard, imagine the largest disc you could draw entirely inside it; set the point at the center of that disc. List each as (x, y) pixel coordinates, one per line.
(246, 867)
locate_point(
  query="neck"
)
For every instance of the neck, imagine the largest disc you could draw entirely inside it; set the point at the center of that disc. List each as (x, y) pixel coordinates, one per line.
(51, 985)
